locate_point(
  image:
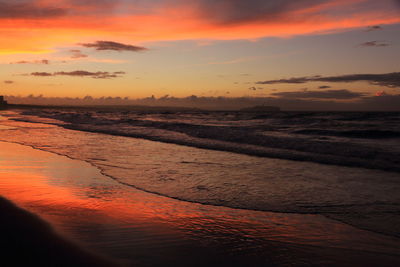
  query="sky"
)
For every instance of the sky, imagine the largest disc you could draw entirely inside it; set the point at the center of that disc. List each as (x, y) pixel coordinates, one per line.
(345, 51)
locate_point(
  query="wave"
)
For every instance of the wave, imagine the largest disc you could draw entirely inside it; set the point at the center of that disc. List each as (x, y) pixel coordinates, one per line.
(244, 134)
(368, 134)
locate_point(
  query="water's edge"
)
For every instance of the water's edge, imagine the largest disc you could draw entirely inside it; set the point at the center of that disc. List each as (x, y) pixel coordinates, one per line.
(102, 171)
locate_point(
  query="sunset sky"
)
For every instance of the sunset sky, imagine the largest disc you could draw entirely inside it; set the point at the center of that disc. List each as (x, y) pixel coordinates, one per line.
(310, 49)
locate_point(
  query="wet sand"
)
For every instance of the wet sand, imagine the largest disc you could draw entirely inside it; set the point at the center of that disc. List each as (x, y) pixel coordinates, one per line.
(28, 240)
(142, 229)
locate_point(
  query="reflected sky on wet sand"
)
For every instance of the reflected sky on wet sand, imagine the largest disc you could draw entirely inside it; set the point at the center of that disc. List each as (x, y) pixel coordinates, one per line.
(147, 229)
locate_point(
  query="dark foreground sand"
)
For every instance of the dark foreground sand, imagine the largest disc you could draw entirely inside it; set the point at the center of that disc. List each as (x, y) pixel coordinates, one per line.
(27, 240)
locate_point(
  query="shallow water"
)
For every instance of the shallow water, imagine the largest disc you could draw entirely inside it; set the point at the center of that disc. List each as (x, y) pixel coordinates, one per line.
(356, 139)
(145, 229)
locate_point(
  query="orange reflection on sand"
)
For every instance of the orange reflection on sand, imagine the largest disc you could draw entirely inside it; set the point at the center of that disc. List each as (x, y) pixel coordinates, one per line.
(51, 184)
(46, 183)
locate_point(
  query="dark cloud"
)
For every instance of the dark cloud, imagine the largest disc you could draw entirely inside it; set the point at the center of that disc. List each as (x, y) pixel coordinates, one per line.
(374, 28)
(77, 54)
(43, 61)
(324, 87)
(81, 73)
(386, 79)
(8, 82)
(36, 9)
(384, 102)
(42, 74)
(97, 7)
(374, 44)
(94, 3)
(330, 94)
(238, 11)
(255, 88)
(109, 45)
(28, 10)
(96, 75)
(291, 80)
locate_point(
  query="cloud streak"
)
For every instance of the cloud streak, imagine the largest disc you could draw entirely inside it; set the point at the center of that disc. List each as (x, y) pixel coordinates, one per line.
(238, 11)
(374, 44)
(374, 28)
(81, 73)
(42, 61)
(113, 46)
(329, 94)
(387, 79)
(29, 10)
(76, 54)
(40, 74)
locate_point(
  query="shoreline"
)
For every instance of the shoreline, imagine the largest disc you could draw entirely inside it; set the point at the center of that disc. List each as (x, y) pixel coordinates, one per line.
(332, 216)
(328, 216)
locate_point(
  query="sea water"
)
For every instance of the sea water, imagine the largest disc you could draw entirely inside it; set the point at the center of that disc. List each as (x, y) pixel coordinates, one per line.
(340, 165)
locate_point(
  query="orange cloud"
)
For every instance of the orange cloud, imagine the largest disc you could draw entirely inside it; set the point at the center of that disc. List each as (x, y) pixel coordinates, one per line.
(25, 29)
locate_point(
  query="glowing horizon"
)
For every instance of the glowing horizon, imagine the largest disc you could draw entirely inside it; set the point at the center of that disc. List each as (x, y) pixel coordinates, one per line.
(114, 48)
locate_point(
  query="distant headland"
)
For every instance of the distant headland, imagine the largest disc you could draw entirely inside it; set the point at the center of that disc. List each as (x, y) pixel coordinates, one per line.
(261, 109)
(3, 103)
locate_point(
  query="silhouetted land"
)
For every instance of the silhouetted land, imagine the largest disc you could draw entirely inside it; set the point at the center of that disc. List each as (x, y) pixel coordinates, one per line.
(3, 103)
(108, 108)
(261, 109)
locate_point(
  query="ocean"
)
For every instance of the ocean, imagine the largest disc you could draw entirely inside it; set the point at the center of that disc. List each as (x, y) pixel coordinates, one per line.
(340, 165)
